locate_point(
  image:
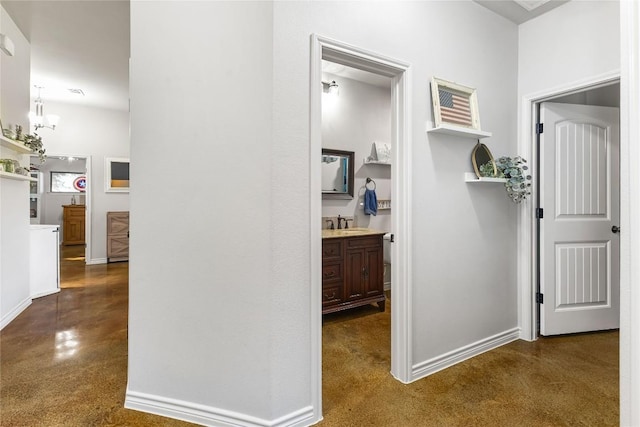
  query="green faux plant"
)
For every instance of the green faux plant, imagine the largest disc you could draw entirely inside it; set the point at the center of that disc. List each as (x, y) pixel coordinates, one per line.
(34, 142)
(514, 170)
(518, 183)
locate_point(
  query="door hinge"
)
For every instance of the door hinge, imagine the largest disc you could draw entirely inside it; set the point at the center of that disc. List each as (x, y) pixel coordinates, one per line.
(393, 238)
(539, 213)
(539, 128)
(539, 298)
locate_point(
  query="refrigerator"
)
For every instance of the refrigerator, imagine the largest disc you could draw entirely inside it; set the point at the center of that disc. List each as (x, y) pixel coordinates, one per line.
(44, 260)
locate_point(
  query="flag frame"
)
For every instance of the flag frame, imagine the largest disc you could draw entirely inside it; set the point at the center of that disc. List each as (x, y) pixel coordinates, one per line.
(467, 94)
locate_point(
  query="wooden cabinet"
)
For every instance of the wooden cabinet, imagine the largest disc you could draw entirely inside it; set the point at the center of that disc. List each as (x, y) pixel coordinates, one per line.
(73, 225)
(352, 272)
(117, 236)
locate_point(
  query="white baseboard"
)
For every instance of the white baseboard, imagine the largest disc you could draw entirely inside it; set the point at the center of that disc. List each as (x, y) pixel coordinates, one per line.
(7, 318)
(446, 360)
(94, 261)
(209, 416)
(44, 294)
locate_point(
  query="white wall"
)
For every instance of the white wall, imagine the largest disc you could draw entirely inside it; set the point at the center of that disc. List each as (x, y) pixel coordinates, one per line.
(201, 255)
(227, 285)
(97, 133)
(352, 121)
(576, 41)
(454, 223)
(14, 195)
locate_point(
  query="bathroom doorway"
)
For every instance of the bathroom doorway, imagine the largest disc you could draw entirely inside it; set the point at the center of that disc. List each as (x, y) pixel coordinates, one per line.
(396, 177)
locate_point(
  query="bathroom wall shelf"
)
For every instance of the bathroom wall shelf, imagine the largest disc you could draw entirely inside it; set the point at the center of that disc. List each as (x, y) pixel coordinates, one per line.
(384, 205)
(376, 162)
(16, 146)
(15, 176)
(447, 129)
(471, 177)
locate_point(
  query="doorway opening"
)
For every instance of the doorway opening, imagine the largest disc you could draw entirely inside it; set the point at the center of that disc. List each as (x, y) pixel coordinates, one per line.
(64, 199)
(602, 89)
(331, 51)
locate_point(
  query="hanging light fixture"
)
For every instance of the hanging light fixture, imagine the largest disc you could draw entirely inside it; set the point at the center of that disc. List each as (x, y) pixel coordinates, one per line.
(38, 118)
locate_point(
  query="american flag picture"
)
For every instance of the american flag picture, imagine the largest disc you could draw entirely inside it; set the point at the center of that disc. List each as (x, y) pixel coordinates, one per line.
(454, 105)
(454, 108)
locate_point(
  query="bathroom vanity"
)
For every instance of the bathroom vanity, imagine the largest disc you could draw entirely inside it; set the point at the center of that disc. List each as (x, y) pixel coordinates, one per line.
(352, 269)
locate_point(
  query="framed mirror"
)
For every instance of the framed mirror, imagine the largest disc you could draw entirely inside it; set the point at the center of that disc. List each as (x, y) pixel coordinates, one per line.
(337, 174)
(483, 163)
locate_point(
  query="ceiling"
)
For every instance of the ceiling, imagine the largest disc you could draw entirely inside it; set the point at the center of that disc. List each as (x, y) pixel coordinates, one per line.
(520, 11)
(77, 45)
(85, 45)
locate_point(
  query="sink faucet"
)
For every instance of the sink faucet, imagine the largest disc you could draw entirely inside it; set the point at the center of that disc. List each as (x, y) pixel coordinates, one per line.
(346, 222)
(330, 221)
(340, 222)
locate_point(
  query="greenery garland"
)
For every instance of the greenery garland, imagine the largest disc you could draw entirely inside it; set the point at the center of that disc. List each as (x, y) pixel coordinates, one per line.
(513, 169)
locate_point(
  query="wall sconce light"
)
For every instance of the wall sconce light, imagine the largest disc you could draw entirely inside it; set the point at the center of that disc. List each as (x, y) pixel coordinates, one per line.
(38, 118)
(330, 87)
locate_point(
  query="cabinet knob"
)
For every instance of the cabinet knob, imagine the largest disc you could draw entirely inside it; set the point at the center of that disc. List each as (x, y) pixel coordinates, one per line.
(332, 296)
(329, 274)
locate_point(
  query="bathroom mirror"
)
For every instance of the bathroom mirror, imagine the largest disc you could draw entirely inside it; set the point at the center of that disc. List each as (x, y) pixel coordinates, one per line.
(482, 160)
(337, 174)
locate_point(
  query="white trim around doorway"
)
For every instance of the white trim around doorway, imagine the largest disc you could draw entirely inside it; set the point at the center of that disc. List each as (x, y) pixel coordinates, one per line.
(335, 51)
(526, 224)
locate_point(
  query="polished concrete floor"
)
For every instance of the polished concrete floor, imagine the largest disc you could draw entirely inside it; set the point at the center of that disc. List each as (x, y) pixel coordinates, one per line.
(64, 363)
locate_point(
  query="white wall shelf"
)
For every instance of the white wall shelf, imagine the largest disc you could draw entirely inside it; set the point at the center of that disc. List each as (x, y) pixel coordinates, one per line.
(464, 132)
(471, 177)
(17, 177)
(16, 146)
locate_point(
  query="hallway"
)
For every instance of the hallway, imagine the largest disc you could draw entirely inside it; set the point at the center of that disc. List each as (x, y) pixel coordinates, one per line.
(64, 363)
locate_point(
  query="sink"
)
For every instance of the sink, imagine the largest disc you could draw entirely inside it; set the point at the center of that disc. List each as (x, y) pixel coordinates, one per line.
(353, 231)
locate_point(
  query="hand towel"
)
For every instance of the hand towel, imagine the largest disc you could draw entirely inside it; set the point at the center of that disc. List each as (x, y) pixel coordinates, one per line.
(370, 202)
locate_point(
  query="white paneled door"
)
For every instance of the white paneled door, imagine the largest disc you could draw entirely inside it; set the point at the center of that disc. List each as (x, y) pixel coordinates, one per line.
(579, 234)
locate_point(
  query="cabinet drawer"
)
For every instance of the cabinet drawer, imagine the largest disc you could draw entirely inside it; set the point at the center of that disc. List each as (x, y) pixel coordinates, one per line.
(332, 272)
(331, 295)
(75, 212)
(362, 242)
(332, 249)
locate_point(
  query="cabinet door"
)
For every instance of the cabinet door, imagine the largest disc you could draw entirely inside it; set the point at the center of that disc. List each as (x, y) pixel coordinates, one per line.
(373, 272)
(354, 274)
(117, 223)
(74, 228)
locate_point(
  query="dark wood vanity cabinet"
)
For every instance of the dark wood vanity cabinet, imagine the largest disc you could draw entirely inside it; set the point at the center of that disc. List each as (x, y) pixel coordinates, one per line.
(352, 272)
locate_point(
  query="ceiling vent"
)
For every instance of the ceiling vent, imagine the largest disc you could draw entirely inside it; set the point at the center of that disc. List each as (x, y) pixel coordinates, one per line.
(531, 4)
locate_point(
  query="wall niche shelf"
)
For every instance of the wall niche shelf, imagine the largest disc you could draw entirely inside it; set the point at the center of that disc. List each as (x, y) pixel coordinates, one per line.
(16, 146)
(447, 129)
(17, 177)
(471, 177)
